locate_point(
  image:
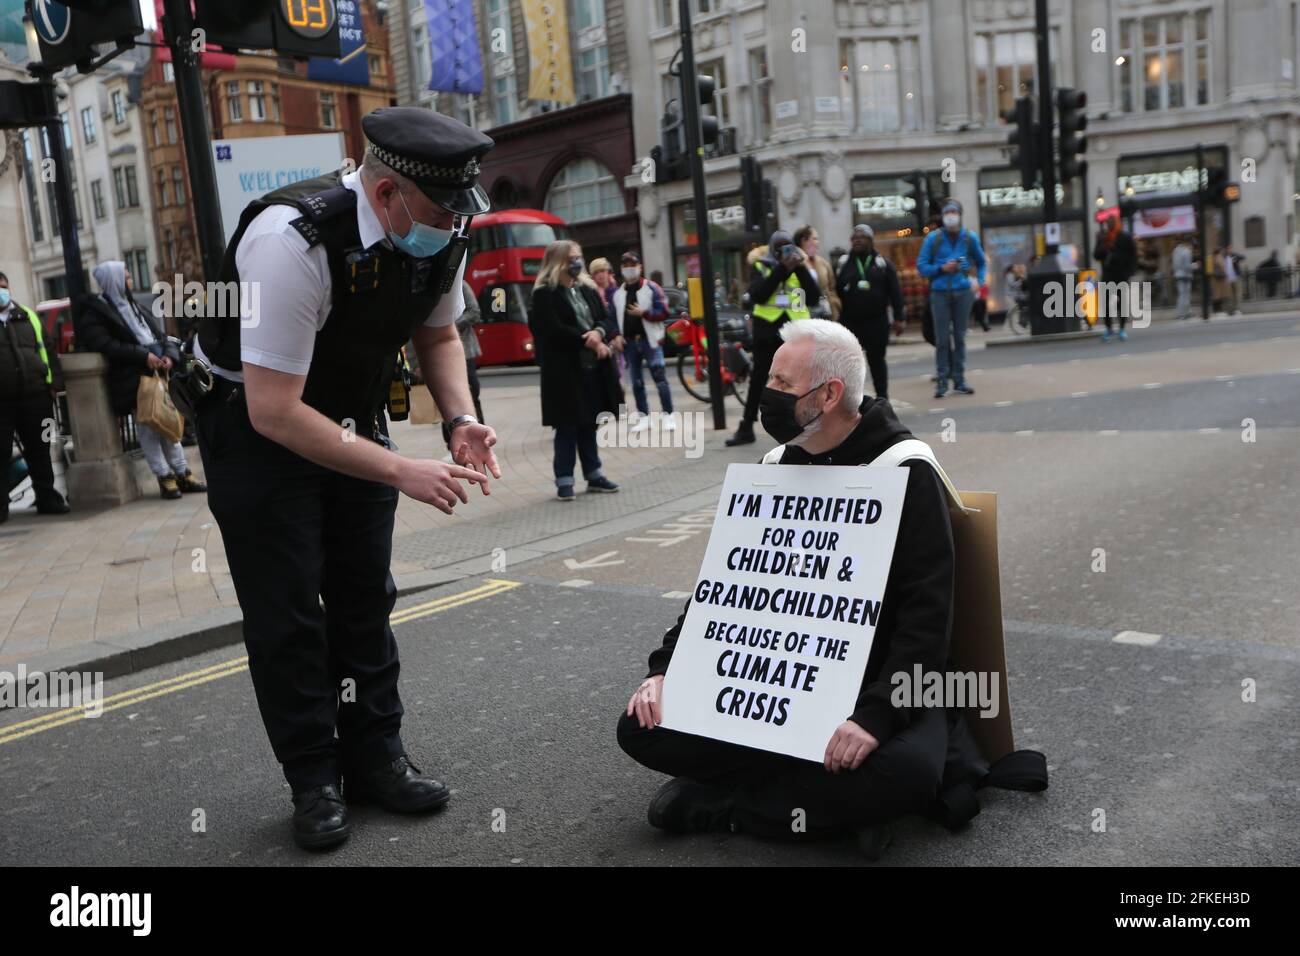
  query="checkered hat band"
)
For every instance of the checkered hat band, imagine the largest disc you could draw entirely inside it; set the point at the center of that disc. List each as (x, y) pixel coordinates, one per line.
(421, 171)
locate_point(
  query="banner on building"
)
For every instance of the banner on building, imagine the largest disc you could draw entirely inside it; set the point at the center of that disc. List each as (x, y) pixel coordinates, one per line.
(352, 66)
(456, 66)
(551, 66)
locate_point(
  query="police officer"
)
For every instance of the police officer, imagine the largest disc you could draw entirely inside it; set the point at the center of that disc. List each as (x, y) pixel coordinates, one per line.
(782, 285)
(868, 286)
(302, 478)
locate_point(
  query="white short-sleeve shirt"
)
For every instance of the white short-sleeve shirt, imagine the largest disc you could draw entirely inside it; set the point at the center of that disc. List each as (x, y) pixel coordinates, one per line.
(293, 287)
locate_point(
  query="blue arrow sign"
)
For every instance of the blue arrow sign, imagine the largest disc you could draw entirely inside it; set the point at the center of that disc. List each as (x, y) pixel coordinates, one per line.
(52, 20)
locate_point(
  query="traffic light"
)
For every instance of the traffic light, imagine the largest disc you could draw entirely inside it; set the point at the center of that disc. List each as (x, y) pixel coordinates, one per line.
(704, 89)
(1073, 144)
(68, 31)
(1218, 189)
(670, 155)
(1024, 140)
(758, 197)
(920, 204)
(302, 28)
(22, 105)
(236, 24)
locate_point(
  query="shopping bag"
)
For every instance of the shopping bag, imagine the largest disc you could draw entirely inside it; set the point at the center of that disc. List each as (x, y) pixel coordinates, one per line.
(154, 407)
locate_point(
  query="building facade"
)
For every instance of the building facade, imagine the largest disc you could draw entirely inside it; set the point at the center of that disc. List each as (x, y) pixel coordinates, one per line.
(252, 96)
(841, 101)
(103, 132)
(568, 159)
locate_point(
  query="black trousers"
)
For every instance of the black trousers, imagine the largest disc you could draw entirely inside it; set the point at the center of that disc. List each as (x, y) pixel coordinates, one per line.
(873, 335)
(901, 776)
(309, 551)
(27, 416)
(767, 339)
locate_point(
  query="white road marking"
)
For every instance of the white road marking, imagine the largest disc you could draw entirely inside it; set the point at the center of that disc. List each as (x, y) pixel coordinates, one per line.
(1141, 638)
(1209, 431)
(676, 595)
(1152, 385)
(1224, 378)
(597, 562)
(575, 583)
(1002, 404)
(1078, 394)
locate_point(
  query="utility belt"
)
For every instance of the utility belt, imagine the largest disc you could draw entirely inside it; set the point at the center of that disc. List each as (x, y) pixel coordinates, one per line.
(193, 383)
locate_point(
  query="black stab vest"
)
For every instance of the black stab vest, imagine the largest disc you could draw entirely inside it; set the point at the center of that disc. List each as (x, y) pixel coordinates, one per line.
(379, 298)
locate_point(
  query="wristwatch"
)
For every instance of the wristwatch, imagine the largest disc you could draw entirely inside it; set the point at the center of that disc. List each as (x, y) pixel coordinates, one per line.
(461, 420)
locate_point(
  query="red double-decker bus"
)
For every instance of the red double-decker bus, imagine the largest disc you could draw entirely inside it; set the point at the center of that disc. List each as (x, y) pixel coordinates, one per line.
(505, 255)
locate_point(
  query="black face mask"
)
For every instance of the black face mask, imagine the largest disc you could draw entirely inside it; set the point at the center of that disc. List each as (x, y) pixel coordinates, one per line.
(576, 266)
(776, 412)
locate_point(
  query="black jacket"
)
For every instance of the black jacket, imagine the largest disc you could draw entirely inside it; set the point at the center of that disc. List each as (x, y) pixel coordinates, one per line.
(102, 329)
(915, 623)
(559, 347)
(1118, 262)
(22, 371)
(864, 307)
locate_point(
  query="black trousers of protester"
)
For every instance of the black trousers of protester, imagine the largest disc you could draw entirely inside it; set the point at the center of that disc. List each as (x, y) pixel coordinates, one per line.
(902, 776)
(309, 551)
(767, 339)
(873, 335)
(27, 416)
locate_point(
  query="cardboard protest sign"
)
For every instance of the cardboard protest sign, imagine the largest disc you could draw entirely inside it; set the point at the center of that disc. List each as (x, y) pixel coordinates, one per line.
(776, 639)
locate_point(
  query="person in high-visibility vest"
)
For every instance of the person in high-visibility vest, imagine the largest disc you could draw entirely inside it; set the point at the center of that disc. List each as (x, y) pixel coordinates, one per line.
(782, 287)
(26, 396)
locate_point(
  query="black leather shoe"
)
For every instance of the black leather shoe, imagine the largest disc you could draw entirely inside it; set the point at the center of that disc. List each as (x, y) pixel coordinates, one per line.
(744, 436)
(52, 505)
(684, 806)
(320, 818)
(398, 787)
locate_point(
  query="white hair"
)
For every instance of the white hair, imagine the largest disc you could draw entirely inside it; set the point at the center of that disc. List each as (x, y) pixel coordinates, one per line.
(836, 353)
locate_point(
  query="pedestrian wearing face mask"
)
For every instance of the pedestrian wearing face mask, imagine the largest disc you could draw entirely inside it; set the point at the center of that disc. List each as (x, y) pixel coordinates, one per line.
(783, 288)
(639, 311)
(568, 317)
(869, 288)
(302, 478)
(948, 257)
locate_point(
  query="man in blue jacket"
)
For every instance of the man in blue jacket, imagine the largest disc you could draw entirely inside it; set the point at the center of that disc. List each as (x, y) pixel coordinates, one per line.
(946, 259)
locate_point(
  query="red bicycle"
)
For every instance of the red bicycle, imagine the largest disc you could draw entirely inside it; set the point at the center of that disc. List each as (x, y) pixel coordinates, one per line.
(693, 366)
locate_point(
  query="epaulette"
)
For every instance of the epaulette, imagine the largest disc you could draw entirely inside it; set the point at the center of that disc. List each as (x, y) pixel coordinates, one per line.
(319, 207)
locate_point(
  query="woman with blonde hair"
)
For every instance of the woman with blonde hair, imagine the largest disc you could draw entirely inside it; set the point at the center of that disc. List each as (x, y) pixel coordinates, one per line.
(570, 326)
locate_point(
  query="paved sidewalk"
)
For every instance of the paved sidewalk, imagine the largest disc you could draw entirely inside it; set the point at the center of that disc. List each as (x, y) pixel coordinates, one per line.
(112, 586)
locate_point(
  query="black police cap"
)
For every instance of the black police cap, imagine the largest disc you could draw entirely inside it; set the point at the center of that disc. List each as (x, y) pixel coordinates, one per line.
(437, 153)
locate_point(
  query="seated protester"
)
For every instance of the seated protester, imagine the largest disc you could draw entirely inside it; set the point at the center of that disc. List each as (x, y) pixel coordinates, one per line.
(882, 761)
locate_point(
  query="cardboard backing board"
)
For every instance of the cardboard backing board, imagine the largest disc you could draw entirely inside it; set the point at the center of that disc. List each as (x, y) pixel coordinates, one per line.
(977, 615)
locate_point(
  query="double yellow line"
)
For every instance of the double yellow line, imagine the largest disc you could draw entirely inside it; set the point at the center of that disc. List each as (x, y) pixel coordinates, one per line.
(137, 695)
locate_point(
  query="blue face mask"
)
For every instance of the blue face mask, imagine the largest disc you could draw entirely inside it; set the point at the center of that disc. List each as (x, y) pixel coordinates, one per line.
(421, 241)
(4, 298)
